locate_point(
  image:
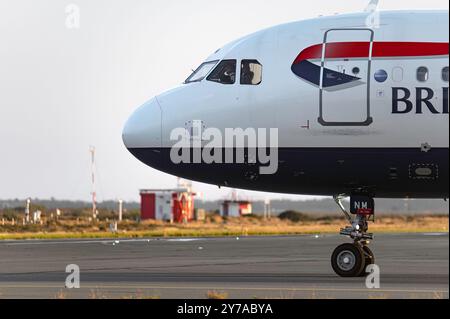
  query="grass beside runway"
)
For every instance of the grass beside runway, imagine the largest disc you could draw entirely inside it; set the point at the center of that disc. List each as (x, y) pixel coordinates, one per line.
(216, 227)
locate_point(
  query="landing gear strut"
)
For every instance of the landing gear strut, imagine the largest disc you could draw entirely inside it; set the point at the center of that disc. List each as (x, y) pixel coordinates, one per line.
(352, 259)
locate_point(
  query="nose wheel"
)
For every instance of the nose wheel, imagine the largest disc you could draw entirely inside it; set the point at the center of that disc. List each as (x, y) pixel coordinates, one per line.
(348, 260)
(352, 259)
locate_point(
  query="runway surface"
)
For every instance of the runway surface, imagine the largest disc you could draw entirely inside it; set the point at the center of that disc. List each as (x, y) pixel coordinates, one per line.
(412, 266)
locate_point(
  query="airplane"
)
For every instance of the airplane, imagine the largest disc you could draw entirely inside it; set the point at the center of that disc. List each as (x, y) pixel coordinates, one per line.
(359, 104)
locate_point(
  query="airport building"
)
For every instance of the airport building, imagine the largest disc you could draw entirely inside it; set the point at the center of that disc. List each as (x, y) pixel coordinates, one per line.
(171, 205)
(235, 208)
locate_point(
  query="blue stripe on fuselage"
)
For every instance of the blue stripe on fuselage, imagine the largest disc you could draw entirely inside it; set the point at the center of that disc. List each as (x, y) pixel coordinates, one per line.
(310, 72)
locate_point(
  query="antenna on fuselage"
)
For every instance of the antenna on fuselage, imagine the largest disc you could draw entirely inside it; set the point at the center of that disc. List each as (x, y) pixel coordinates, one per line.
(372, 6)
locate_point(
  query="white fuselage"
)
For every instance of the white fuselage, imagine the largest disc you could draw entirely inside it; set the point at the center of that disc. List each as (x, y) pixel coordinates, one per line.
(327, 84)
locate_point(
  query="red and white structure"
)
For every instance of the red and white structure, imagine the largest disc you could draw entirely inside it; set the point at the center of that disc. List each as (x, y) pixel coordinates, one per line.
(235, 208)
(174, 205)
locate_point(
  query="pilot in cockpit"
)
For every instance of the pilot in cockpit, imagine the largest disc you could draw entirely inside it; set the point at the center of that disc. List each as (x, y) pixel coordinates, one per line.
(228, 74)
(246, 74)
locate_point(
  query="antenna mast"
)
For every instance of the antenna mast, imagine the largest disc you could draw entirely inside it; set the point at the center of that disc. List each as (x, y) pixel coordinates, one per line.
(93, 193)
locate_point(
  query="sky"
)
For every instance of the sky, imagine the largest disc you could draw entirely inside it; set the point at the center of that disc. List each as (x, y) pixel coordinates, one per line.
(63, 89)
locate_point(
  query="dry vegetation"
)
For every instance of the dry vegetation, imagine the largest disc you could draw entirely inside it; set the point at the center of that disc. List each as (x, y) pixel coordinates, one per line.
(216, 295)
(82, 227)
(284, 295)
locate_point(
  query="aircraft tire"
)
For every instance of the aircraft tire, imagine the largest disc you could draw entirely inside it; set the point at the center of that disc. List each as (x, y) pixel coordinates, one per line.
(348, 260)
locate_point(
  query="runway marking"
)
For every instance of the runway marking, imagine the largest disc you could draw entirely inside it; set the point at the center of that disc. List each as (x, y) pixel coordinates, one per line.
(125, 287)
(100, 241)
(145, 240)
(68, 242)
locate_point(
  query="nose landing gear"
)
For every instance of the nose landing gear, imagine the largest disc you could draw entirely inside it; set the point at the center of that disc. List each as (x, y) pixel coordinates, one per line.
(352, 259)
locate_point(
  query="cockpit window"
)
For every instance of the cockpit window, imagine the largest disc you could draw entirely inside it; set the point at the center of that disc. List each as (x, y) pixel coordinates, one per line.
(201, 72)
(224, 73)
(251, 72)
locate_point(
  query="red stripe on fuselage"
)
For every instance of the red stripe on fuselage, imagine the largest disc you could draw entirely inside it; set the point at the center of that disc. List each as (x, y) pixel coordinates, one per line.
(350, 50)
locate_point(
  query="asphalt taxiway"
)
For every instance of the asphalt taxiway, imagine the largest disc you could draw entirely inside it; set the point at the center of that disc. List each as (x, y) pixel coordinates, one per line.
(411, 265)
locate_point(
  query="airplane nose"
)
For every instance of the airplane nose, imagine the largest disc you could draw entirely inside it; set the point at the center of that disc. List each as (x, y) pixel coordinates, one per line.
(143, 128)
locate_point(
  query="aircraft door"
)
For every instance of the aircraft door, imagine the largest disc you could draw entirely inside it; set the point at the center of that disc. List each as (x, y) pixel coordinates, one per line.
(345, 78)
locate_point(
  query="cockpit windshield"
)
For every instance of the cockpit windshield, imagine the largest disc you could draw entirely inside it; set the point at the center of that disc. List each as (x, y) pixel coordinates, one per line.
(201, 72)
